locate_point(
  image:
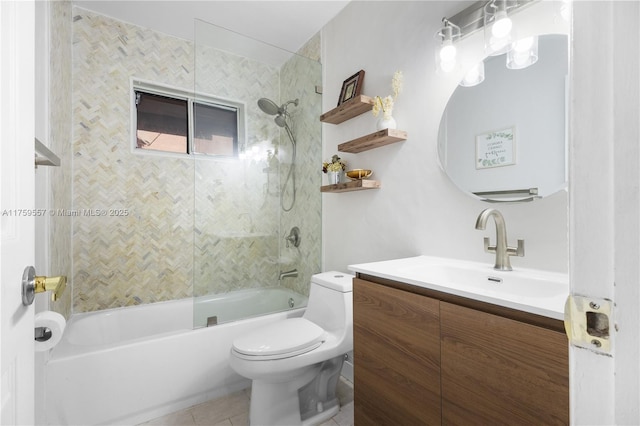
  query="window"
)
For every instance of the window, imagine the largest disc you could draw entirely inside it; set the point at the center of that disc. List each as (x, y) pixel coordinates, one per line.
(171, 121)
(216, 129)
(162, 123)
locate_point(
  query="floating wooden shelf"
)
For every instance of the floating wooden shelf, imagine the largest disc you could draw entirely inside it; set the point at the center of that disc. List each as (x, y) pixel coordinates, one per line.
(355, 185)
(352, 108)
(374, 140)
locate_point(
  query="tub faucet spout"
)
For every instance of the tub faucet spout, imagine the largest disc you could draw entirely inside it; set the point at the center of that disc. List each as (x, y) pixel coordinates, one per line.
(292, 273)
(501, 249)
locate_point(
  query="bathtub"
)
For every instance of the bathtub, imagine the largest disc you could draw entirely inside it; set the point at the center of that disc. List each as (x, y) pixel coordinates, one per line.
(130, 365)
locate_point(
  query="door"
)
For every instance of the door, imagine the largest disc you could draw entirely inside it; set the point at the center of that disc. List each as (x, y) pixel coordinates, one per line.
(16, 209)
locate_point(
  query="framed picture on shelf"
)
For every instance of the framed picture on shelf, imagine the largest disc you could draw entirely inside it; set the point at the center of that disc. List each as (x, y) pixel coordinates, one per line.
(351, 87)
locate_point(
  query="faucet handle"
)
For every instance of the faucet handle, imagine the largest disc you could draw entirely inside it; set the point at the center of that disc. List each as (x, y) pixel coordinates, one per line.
(487, 247)
(519, 251)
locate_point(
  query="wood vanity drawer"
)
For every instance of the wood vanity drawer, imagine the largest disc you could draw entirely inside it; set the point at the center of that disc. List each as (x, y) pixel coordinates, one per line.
(397, 348)
(421, 360)
(500, 371)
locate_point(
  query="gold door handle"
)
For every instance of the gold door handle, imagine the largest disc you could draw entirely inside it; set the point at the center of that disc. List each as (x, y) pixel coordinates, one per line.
(54, 284)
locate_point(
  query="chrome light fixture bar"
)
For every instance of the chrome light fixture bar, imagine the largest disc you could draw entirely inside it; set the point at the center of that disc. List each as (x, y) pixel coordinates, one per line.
(494, 17)
(471, 19)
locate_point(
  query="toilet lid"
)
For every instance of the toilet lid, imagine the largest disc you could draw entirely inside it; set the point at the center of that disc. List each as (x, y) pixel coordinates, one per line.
(281, 339)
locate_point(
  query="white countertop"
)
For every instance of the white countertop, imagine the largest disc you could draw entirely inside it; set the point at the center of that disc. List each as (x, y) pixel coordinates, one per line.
(534, 291)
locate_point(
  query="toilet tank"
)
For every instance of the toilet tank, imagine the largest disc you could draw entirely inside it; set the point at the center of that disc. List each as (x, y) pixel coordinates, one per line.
(330, 302)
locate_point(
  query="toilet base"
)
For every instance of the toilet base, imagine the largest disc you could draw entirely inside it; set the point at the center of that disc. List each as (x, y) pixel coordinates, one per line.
(308, 400)
(277, 404)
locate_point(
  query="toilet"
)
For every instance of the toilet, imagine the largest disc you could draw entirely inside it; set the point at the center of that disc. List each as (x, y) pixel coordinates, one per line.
(295, 364)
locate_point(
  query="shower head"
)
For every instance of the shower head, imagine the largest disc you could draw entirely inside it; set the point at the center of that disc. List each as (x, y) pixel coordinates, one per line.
(268, 106)
(280, 120)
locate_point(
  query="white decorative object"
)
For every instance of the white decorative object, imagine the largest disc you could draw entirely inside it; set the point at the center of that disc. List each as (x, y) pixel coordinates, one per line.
(385, 105)
(385, 122)
(334, 177)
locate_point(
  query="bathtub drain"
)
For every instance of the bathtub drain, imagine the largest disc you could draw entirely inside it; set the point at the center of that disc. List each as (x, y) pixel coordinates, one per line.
(291, 302)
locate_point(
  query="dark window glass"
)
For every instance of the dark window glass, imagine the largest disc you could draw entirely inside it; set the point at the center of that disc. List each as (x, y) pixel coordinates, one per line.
(216, 129)
(162, 123)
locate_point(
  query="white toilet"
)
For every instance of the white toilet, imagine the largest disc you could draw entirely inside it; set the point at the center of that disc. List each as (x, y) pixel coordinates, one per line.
(295, 364)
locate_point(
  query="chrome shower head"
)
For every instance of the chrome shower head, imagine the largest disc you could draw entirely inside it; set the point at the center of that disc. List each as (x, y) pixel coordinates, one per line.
(268, 106)
(280, 120)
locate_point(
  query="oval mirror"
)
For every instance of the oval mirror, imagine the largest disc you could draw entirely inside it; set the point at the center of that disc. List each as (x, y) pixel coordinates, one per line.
(505, 138)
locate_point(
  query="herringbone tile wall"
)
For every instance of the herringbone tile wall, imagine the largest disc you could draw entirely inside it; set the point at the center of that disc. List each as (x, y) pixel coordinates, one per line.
(194, 226)
(306, 213)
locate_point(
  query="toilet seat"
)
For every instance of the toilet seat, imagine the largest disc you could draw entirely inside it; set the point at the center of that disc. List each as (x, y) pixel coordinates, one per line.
(282, 339)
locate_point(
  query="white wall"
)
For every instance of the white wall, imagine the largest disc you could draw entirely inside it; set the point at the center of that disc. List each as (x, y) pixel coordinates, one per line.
(417, 210)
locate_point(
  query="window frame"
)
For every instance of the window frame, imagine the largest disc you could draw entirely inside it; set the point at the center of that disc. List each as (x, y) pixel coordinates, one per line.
(139, 85)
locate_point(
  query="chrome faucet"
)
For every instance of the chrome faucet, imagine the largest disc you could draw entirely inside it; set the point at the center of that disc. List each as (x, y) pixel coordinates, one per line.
(501, 249)
(292, 273)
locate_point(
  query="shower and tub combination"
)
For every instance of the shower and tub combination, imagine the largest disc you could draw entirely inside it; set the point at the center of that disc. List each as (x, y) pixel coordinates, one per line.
(242, 267)
(130, 365)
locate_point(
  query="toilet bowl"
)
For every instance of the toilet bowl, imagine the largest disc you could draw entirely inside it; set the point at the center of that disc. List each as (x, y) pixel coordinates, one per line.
(295, 364)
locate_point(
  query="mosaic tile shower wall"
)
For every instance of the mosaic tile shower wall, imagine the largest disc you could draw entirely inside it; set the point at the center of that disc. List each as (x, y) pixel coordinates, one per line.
(193, 226)
(306, 214)
(236, 219)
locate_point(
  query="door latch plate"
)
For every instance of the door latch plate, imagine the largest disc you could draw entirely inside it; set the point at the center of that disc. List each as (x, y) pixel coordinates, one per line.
(587, 322)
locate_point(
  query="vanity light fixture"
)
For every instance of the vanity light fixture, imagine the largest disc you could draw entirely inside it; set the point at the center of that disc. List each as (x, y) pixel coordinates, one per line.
(446, 55)
(498, 27)
(523, 53)
(493, 16)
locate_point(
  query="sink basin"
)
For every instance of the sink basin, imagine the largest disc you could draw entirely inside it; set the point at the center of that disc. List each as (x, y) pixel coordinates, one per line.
(529, 290)
(488, 280)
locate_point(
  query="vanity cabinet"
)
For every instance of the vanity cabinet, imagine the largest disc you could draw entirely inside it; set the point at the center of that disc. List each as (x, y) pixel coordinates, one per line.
(499, 371)
(396, 350)
(430, 358)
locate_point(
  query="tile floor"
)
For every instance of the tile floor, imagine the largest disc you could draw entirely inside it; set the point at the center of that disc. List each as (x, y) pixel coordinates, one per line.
(233, 410)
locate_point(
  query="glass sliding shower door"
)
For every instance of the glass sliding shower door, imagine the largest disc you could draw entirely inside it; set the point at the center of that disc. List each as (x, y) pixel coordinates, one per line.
(256, 176)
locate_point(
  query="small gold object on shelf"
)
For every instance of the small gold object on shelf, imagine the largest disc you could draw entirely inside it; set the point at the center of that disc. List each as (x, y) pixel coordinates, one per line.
(357, 174)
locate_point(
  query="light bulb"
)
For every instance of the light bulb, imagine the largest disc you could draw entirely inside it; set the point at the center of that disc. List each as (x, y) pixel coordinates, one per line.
(520, 58)
(498, 45)
(502, 25)
(524, 53)
(474, 76)
(447, 66)
(448, 51)
(523, 44)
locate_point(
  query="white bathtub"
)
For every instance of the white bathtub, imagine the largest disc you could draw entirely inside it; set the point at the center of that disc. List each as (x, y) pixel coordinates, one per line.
(129, 365)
